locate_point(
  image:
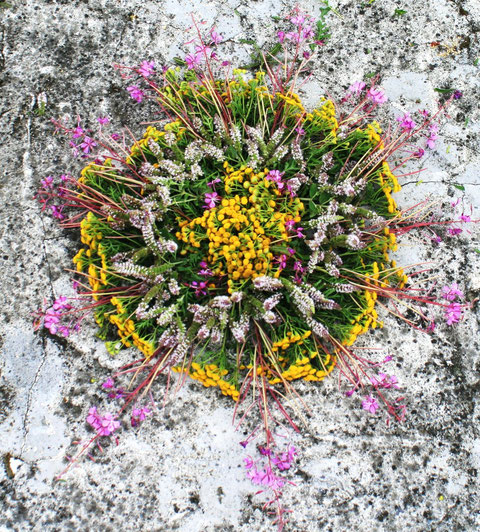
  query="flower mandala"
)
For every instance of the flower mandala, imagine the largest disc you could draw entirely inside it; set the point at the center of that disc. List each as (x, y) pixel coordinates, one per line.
(245, 237)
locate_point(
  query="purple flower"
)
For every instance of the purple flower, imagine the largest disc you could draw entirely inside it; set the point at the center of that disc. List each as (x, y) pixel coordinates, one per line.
(115, 136)
(356, 88)
(78, 132)
(146, 69)
(211, 199)
(297, 19)
(88, 144)
(299, 232)
(265, 451)
(425, 113)
(74, 147)
(248, 461)
(450, 293)
(293, 36)
(454, 231)
(136, 93)
(282, 261)
(193, 60)
(61, 304)
(370, 404)
(93, 418)
(457, 95)
(216, 37)
(376, 95)
(281, 36)
(300, 130)
(57, 212)
(109, 383)
(419, 153)
(103, 120)
(453, 313)
(406, 122)
(465, 218)
(291, 251)
(199, 287)
(47, 182)
(212, 184)
(108, 425)
(289, 225)
(431, 140)
(138, 415)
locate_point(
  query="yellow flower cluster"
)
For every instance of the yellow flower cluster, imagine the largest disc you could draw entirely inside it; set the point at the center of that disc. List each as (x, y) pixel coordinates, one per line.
(126, 329)
(373, 131)
(365, 320)
(97, 269)
(325, 114)
(292, 99)
(239, 231)
(303, 369)
(389, 184)
(290, 339)
(211, 375)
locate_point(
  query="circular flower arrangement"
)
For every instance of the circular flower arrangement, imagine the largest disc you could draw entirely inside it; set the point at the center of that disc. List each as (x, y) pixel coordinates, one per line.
(245, 238)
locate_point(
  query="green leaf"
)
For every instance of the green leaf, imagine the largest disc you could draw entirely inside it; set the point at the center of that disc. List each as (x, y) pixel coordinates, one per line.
(444, 91)
(477, 60)
(370, 75)
(399, 12)
(476, 250)
(179, 61)
(246, 41)
(459, 187)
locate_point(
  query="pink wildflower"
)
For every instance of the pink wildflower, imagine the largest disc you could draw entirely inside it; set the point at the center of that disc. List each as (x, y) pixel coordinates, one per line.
(376, 95)
(193, 60)
(146, 69)
(216, 37)
(108, 425)
(356, 88)
(211, 199)
(88, 144)
(370, 404)
(136, 93)
(450, 293)
(109, 383)
(406, 122)
(453, 313)
(454, 231)
(138, 415)
(281, 36)
(103, 120)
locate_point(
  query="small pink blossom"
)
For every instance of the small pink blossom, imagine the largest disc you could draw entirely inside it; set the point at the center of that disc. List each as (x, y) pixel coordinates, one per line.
(88, 144)
(146, 69)
(136, 93)
(211, 199)
(376, 95)
(450, 293)
(216, 37)
(370, 404)
(406, 122)
(109, 383)
(193, 60)
(281, 36)
(453, 313)
(103, 120)
(454, 231)
(356, 88)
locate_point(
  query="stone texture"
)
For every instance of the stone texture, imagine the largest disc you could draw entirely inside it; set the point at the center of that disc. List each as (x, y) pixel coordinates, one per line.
(183, 469)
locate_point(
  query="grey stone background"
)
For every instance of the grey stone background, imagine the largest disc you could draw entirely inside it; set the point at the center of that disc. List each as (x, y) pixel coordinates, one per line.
(182, 470)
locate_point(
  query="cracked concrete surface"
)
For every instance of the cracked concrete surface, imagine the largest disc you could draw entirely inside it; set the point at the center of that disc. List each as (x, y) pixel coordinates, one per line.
(183, 470)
